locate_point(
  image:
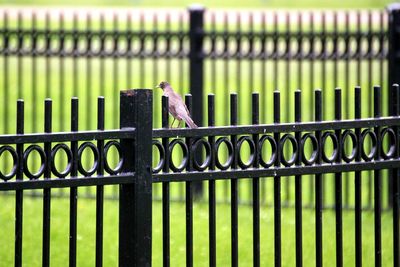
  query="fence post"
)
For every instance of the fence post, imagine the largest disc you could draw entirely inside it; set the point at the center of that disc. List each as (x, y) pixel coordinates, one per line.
(393, 67)
(135, 201)
(196, 13)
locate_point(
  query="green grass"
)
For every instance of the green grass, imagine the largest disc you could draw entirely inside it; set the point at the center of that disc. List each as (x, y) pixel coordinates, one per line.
(86, 234)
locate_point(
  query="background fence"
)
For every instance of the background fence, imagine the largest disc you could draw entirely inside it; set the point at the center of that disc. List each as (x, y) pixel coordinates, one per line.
(257, 152)
(65, 53)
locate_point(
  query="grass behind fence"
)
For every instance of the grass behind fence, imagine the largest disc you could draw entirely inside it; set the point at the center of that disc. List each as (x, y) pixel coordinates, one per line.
(86, 234)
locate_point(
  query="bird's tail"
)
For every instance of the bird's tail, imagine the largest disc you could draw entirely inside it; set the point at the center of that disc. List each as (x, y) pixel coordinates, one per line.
(189, 122)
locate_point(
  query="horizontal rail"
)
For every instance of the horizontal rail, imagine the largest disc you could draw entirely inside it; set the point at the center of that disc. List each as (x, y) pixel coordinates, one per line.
(277, 128)
(124, 178)
(67, 136)
(275, 171)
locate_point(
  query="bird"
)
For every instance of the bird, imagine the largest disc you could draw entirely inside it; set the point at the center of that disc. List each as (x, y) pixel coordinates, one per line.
(176, 107)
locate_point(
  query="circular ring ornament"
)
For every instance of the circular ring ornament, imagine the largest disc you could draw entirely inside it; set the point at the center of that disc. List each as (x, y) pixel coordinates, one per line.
(185, 152)
(207, 147)
(95, 152)
(293, 141)
(14, 155)
(372, 153)
(252, 146)
(68, 152)
(161, 159)
(229, 145)
(335, 143)
(271, 141)
(315, 148)
(392, 143)
(107, 166)
(42, 156)
(349, 134)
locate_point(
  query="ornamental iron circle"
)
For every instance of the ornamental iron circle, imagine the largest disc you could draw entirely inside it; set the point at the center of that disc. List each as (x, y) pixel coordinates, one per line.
(372, 153)
(392, 143)
(42, 156)
(14, 155)
(229, 145)
(272, 143)
(68, 152)
(345, 136)
(161, 159)
(107, 166)
(252, 146)
(95, 152)
(293, 142)
(335, 143)
(315, 147)
(207, 147)
(185, 152)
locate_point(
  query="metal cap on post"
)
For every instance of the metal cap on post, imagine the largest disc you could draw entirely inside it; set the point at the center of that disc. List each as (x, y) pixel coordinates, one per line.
(196, 59)
(135, 203)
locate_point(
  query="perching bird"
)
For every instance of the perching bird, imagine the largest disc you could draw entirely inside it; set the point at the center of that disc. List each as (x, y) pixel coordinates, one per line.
(176, 107)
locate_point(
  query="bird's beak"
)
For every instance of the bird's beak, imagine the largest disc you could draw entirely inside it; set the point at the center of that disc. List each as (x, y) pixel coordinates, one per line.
(157, 86)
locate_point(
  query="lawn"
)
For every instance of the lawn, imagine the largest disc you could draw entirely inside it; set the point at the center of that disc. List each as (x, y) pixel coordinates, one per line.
(86, 234)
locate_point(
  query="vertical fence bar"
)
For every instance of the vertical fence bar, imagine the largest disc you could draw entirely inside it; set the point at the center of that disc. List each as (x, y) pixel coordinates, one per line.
(377, 182)
(73, 197)
(393, 61)
(196, 61)
(298, 188)
(256, 185)
(287, 96)
(311, 88)
(47, 191)
(318, 186)
(277, 185)
(19, 193)
(357, 183)
(211, 187)
(34, 73)
(338, 182)
(395, 195)
(189, 196)
(394, 46)
(135, 205)
(347, 97)
(100, 188)
(165, 187)
(234, 186)
(196, 69)
(6, 75)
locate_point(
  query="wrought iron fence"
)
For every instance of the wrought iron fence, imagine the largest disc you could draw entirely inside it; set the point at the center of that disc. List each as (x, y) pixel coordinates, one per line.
(85, 53)
(317, 147)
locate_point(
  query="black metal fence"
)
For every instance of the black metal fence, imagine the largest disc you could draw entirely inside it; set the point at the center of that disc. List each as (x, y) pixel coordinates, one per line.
(61, 54)
(318, 147)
